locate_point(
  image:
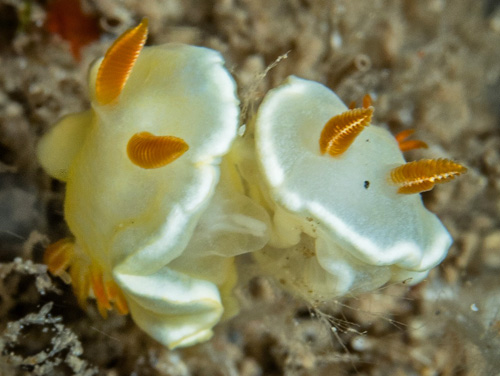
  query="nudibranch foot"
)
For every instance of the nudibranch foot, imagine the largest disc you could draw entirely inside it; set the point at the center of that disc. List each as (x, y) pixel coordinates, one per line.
(149, 151)
(341, 130)
(420, 176)
(406, 145)
(85, 276)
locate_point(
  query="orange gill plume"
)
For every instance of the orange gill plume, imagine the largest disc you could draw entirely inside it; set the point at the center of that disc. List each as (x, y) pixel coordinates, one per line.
(341, 130)
(118, 63)
(58, 256)
(149, 151)
(80, 281)
(405, 145)
(420, 176)
(97, 283)
(84, 275)
(367, 101)
(115, 294)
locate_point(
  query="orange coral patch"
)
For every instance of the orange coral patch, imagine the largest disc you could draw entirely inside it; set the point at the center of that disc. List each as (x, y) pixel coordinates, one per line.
(420, 176)
(118, 63)
(66, 18)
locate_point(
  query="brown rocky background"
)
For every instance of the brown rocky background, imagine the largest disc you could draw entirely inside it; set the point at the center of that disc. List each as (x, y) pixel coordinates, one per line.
(432, 65)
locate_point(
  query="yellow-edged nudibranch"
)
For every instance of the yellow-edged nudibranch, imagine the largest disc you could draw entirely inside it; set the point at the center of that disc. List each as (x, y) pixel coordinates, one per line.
(151, 219)
(338, 191)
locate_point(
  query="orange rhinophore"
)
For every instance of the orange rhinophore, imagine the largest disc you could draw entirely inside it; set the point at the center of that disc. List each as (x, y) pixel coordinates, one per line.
(65, 17)
(405, 145)
(149, 151)
(341, 130)
(118, 63)
(420, 176)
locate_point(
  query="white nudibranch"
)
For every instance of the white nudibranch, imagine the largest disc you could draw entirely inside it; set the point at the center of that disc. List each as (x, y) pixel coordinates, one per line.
(155, 224)
(156, 203)
(330, 181)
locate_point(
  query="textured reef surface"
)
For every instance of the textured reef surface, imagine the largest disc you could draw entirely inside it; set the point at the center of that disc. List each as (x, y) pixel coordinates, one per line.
(430, 65)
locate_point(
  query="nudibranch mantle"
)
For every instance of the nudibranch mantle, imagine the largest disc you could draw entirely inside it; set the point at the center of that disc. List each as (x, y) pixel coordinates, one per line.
(345, 202)
(176, 90)
(190, 317)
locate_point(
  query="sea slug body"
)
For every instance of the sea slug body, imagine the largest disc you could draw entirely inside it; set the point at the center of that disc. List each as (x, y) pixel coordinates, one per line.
(141, 168)
(339, 223)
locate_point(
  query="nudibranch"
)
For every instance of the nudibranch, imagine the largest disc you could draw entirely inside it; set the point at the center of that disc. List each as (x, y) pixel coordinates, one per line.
(141, 168)
(338, 190)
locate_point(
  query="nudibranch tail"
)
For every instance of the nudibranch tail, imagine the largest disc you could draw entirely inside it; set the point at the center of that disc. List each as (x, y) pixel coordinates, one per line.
(341, 130)
(118, 63)
(422, 175)
(405, 145)
(149, 151)
(59, 255)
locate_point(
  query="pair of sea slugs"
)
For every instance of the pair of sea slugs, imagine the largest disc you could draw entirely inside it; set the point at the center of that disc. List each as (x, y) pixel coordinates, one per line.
(163, 191)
